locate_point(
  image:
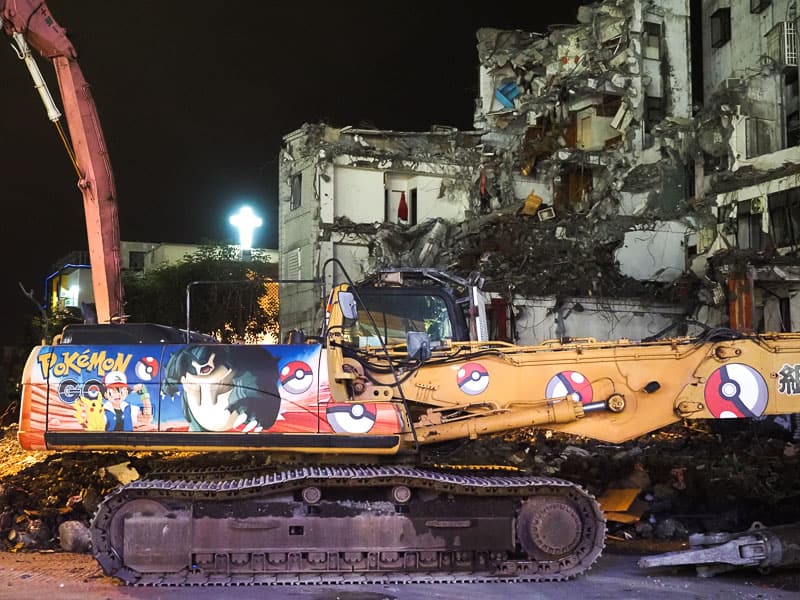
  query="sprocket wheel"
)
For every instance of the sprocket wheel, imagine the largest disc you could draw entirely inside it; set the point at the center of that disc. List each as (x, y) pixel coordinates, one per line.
(549, 528)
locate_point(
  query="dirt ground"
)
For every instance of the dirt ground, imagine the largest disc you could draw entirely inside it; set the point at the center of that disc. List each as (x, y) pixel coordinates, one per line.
(67, 576)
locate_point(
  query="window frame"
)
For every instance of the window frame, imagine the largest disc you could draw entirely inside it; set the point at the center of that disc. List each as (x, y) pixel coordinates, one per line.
(720, 27)
(296, 191)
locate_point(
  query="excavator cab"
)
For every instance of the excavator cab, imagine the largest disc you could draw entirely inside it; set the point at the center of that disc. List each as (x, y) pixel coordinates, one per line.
(403, 301)
(386, 317)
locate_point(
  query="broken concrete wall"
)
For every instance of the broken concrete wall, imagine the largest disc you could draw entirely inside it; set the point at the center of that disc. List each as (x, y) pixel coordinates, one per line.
(675, 64)
(546, 318)
(573, 105)
(654, 253)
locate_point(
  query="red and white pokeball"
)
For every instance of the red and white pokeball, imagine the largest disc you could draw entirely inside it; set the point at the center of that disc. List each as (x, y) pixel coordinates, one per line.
(146, 369)
(351, 418)
(570, 383)
(472, 378)
(296, 377)
(735, 391)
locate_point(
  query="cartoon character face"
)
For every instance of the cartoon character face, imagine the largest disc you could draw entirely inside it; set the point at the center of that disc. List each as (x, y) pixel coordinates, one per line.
(473, 378)
(224, 387)
(116, 394)
(736, 391)
(146, 368)
(206, 388)
(296, 377)
(351, 418)
(570, 383)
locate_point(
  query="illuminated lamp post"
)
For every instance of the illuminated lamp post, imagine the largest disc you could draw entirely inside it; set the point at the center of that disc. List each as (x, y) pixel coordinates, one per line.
(246, 222)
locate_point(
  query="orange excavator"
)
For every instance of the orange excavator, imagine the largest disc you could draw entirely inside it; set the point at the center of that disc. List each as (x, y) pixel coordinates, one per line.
(347, 433)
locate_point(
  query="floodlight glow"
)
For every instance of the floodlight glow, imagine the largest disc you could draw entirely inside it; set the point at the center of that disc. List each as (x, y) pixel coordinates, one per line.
(246, 221)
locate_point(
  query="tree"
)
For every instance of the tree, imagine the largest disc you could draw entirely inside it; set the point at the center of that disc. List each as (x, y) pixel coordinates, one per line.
(230, 298)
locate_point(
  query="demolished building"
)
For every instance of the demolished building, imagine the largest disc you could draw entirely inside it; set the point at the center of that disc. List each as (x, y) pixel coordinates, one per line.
(590, 195)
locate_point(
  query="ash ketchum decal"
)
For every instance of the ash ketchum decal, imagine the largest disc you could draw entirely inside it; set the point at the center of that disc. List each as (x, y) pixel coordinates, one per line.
(735, 391)
(296, 377)
(570, 383)
(472, 378)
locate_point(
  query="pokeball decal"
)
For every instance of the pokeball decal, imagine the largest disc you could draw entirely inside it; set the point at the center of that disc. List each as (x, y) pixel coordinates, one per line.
(91, 389)
(736, 391)
(296, 377)
(70, 390)
(473, 378)
(567, 383)
(351, 418)
(146, 368)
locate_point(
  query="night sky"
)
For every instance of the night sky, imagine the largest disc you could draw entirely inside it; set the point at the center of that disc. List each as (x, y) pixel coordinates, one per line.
(195, 97)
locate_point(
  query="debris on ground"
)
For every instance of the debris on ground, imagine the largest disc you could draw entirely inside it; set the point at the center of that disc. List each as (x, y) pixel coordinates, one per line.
(686, 479)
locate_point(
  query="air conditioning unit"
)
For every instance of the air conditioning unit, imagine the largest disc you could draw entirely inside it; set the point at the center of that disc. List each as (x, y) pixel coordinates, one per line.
(758, 205)
(782, 44)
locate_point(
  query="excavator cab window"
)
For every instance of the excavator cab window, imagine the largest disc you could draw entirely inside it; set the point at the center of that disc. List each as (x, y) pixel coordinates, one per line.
(391, 313)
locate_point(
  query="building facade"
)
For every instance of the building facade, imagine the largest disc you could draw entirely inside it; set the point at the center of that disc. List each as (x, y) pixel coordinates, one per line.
(595, 194)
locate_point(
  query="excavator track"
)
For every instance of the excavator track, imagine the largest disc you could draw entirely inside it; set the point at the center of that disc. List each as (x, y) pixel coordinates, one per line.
(334, 525)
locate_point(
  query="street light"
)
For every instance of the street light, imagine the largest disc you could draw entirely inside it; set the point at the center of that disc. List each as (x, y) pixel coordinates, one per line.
(246, 222)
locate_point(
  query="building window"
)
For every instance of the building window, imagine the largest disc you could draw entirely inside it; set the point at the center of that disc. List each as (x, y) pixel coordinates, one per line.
(793, 129)
(294, 265)
(654, 111)
(136, 260)
(297, 187)
(756, 6)
(400, 207)
(720, 27)
(749, 216)
(784, 218)
(652, 40)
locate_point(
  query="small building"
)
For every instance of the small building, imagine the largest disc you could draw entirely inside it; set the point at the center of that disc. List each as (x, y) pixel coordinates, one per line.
(70, 283)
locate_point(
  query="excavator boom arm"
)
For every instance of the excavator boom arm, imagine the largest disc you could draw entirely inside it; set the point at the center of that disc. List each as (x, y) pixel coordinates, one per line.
(33, 21)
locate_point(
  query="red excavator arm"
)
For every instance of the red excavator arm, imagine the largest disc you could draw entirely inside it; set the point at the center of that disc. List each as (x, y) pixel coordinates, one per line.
(31, 21)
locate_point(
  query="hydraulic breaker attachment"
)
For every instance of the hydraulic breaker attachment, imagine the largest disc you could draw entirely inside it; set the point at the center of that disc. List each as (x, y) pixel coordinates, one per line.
(759, 547)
